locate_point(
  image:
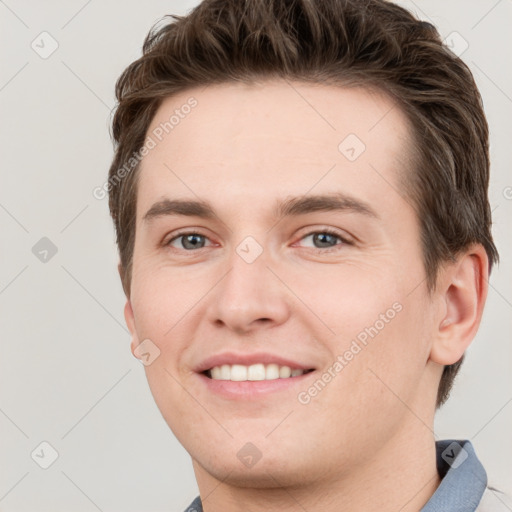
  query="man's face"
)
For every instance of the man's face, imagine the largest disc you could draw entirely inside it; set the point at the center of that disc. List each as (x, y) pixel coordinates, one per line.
(274, 278)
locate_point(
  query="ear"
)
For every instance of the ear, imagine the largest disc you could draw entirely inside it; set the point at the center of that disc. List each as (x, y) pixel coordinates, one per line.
(129, 316)
(462, 290)
(130, 322)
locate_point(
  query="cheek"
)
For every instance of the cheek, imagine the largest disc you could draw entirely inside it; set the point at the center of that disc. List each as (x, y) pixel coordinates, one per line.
(177, 405)
(165, 309)
(351, 299)
(161, 300)
(376, 304)
(381, 333)
(393, 355)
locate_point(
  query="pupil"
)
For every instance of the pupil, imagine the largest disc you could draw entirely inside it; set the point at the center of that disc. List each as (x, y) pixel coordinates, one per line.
(191, 241)
(323, 238)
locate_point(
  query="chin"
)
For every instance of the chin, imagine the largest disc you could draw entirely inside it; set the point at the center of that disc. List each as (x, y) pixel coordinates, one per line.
(274, 468)
(264, 474)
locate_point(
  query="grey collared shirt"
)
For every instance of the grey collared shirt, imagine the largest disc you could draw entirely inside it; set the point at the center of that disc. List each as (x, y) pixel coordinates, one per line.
(463, 487)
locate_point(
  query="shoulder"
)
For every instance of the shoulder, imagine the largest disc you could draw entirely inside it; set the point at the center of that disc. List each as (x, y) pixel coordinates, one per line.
(195, 506)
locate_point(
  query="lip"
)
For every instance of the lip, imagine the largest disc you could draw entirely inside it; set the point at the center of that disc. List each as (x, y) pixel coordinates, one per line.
(251, 389)
(248, 360)
(255, 389)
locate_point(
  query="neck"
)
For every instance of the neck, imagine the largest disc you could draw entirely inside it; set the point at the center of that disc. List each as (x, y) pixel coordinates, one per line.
(402, 475)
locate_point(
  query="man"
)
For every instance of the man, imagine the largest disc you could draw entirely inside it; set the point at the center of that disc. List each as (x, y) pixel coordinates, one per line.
(299, 192)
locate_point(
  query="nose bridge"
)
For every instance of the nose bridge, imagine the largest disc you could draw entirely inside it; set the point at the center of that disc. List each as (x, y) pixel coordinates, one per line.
(249, 291)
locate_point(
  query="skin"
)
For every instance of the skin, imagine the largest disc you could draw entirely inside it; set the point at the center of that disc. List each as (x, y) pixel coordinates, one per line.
(365, 442)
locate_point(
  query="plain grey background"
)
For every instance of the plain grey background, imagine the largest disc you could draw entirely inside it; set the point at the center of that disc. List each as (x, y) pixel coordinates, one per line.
(67, 376)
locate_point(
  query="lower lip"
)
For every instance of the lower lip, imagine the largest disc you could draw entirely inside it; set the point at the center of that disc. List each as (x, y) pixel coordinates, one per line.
(254, 389)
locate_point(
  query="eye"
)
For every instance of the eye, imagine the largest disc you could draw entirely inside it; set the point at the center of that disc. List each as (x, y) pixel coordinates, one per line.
(326, 239)
(323, 239)
(188, 241)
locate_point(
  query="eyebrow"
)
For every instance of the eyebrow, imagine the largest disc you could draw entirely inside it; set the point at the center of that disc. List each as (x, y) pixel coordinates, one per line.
(326, 203)
(290, 207)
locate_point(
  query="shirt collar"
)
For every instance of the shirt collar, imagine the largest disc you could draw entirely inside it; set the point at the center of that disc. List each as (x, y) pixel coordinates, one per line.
(463, 478)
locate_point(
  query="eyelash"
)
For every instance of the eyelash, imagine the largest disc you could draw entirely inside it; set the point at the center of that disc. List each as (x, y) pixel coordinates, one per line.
(330, 232)
(325, 231)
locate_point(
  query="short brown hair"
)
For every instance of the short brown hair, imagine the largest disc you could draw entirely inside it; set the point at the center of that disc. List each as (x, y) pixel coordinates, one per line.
(372, 43)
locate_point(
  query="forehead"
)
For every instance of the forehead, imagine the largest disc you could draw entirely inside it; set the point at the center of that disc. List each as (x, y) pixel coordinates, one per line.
(274, 138)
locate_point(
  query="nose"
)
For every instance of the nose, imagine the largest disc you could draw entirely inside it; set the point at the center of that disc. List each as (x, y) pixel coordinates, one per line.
(250, 296)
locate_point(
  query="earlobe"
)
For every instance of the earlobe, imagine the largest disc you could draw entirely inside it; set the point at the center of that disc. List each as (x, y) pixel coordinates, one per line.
(463, 289)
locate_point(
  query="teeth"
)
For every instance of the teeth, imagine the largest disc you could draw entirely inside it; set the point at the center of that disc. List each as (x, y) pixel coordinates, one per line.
(225, 372)
(256, 372)
(271, 372)
(284, 372)
(240, 373)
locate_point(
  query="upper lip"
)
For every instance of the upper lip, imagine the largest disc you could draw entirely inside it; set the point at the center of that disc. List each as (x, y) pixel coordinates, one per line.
(248, 360)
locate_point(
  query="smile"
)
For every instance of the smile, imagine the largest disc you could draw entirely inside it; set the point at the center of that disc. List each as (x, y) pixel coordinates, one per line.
(254, 372)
